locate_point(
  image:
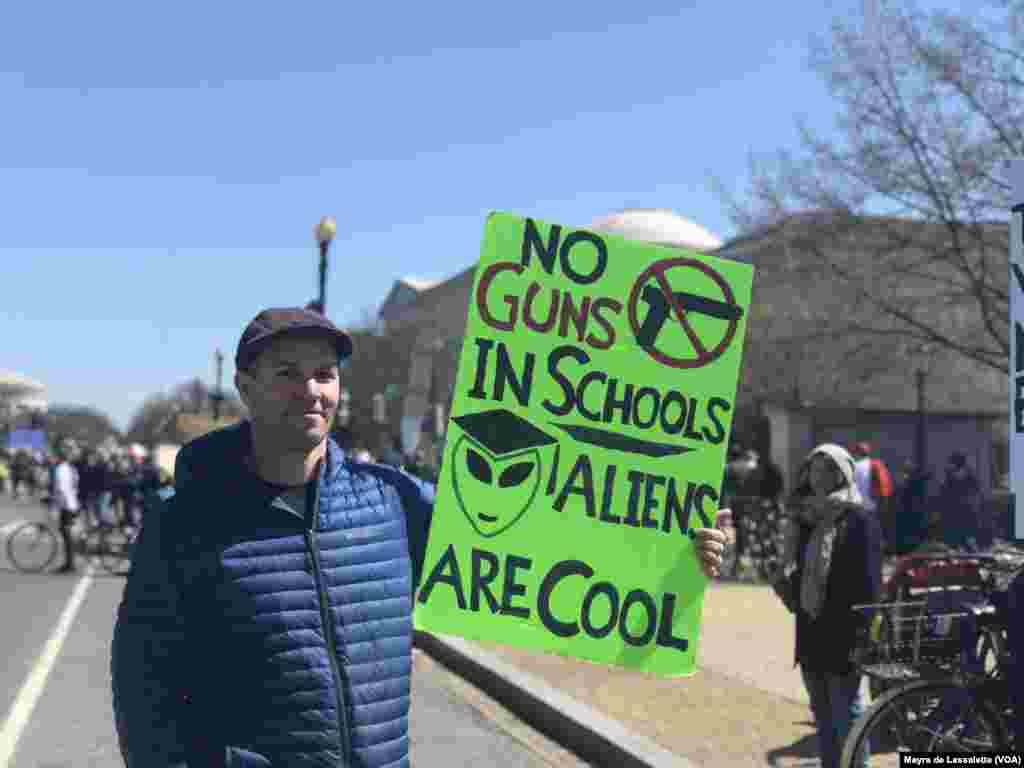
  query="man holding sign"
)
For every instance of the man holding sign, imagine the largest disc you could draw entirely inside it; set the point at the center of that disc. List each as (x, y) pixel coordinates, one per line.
(267, 619)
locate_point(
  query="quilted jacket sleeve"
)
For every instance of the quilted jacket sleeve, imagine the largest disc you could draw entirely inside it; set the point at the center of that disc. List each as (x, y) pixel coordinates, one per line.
(417, 498)
(147, 655)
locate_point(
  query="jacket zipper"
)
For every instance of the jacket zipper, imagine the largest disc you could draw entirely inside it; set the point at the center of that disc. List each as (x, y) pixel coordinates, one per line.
(329, 635)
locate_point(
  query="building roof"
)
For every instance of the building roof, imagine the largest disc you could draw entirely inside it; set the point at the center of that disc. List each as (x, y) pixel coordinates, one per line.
(659, 226)
(813, 339)
(409, 294)
(419, 284)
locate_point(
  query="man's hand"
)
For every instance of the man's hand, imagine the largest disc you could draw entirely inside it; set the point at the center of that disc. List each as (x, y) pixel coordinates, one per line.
(711, 543)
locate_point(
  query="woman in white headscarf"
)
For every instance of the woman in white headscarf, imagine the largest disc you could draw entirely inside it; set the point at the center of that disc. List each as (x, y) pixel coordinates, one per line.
(833, 561)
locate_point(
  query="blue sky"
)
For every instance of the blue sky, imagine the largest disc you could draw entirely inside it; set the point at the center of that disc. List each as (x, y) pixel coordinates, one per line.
(163, 166)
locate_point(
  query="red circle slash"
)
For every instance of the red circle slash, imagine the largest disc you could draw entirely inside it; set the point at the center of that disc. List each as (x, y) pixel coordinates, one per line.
(657, 271)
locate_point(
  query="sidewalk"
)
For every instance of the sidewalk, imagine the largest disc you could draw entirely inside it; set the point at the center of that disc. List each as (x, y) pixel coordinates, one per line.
(746, 705)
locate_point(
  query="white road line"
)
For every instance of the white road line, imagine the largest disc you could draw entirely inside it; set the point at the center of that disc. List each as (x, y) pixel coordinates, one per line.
(33, 686)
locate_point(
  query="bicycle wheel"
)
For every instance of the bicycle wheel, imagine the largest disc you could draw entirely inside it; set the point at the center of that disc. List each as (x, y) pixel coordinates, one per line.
(924, 716)
(90, 543)
(32, 547)
(115, 552)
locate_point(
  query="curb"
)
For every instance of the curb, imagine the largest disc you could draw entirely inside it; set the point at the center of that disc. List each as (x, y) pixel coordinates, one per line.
(594, 737)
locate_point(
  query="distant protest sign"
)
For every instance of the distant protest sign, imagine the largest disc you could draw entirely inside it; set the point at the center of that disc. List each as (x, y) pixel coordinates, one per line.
(1017, 350)
(588, 436)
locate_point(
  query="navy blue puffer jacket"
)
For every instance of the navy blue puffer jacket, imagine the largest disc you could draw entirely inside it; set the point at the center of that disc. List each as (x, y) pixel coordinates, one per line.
(252, 634)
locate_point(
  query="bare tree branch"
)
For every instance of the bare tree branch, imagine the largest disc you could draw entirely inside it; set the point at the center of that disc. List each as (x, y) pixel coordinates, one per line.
(902, 211)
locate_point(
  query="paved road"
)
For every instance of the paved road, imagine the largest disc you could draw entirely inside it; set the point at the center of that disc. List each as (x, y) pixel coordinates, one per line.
(70, 724)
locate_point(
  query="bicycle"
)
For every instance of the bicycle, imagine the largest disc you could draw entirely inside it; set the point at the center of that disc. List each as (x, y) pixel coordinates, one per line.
(118, 541)
(942, 579)
(33, 546)
(953, 696)
(117, 545)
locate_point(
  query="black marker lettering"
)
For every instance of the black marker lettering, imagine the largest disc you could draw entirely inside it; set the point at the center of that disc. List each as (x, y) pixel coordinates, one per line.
(506, 374)
(650, 500)
(483, 347)
(566, 251)
(513, 588)
(606, 496)
(633, 506)
(581, 391)
(638, 597)
(714, 404)
(665, 637)
(611, 405)
(481, 581)
(671, 427)
(438, 575)
(651, 393)
(557, 355)
(532, 243)
(607, 589)
(560, 571)
(586, 489)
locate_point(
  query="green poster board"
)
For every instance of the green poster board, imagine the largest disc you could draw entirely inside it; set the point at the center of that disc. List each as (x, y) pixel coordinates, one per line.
(587, 438)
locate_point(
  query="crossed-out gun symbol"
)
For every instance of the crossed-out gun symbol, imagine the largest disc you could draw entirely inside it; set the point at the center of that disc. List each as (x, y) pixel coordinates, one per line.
(660, 307)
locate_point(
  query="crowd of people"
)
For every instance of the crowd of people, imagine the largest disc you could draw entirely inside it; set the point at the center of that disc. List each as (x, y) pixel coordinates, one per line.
(107, 483)
(911, 510)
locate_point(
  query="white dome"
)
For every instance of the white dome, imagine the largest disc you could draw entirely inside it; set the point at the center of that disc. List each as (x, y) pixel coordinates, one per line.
(14, 384)
(659, 226)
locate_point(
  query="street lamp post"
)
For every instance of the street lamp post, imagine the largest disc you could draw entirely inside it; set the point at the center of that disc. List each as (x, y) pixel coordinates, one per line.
(324, 232)
(218, 396)
(921, 438)
(921, 458)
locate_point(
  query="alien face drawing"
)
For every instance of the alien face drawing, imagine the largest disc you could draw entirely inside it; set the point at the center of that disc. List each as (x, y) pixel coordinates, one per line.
(497, 469)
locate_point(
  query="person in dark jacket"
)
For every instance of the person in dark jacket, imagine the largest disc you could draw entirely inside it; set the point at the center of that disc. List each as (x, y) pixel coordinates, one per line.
(834, 561)
(267, 617)
(122, 482)
(772, 482)
(910, 523)
(959, 501)
(149, 475)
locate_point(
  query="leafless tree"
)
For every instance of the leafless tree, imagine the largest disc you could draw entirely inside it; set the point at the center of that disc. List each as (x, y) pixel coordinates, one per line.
(152, 418)
(89, 426)
(905, 206)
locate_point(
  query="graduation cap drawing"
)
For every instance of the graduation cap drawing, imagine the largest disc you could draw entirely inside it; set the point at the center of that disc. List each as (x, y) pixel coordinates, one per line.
(496, 468)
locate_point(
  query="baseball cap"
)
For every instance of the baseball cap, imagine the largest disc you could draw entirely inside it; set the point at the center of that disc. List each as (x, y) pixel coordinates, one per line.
(275, 322)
